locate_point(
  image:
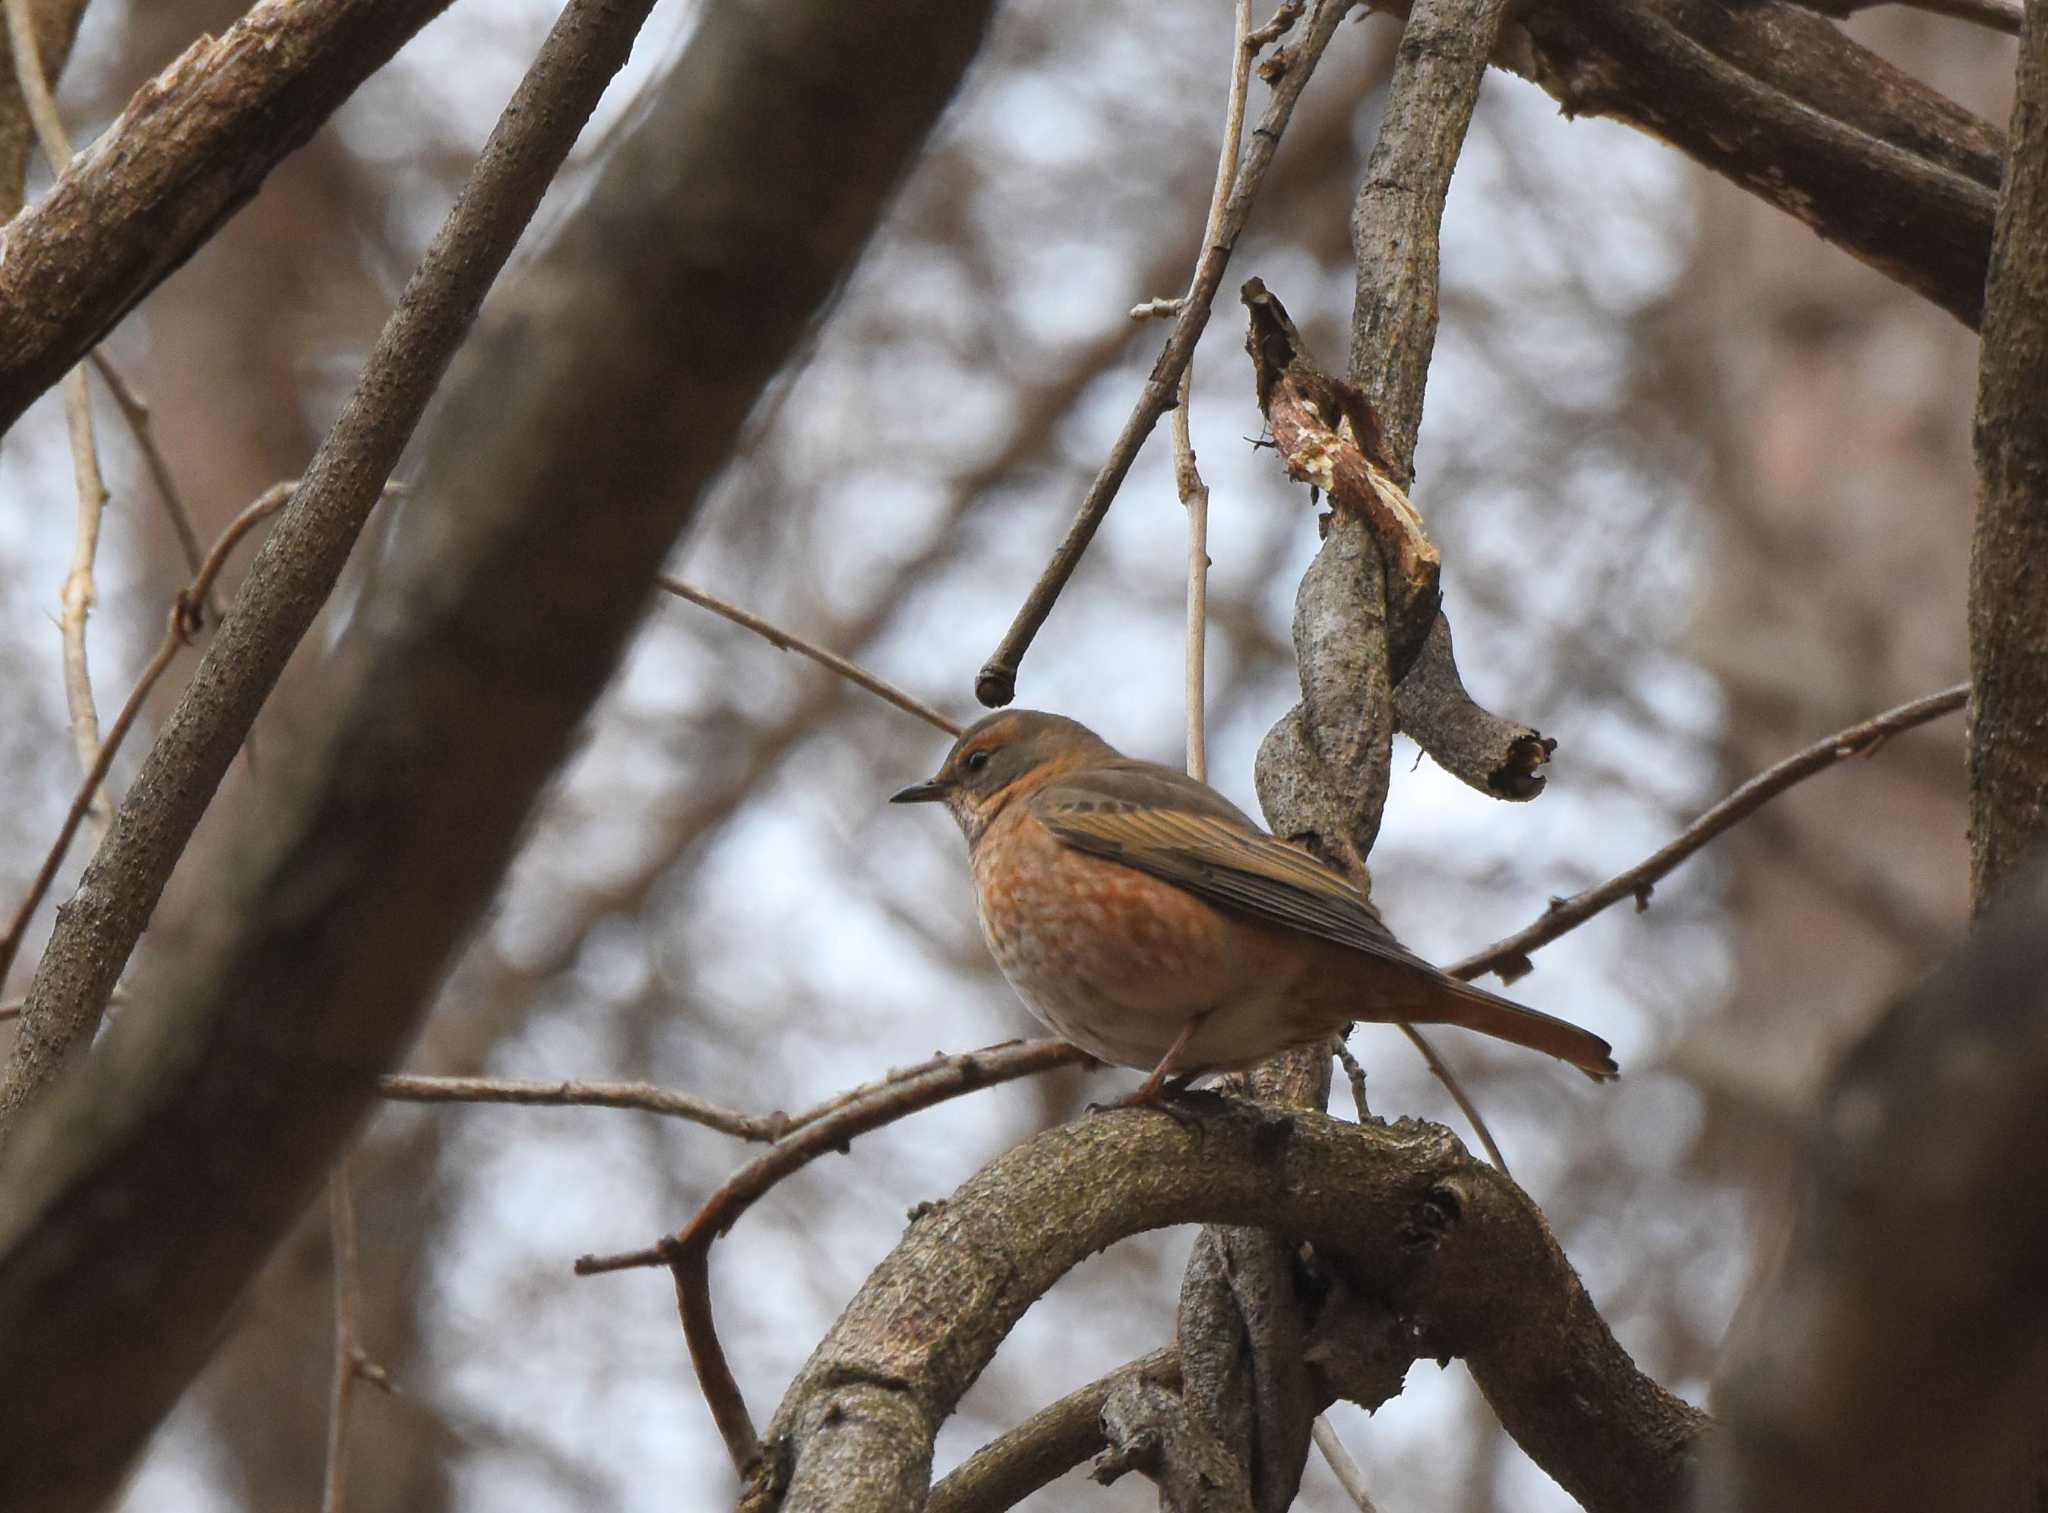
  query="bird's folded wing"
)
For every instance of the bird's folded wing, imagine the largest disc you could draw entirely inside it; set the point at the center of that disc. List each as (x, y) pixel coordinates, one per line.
(1191, 836)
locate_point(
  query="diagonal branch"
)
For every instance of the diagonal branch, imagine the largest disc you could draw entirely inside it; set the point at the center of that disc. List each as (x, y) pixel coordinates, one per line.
(997, 683)
(1510, 957)
(189, 150)
(301, 561)
(594, 407)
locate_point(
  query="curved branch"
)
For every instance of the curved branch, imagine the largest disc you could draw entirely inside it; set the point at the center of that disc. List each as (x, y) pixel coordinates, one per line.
(1779, 101)
(1458, 1249)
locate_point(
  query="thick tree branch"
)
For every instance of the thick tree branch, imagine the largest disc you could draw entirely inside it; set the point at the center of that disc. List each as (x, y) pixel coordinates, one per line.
(1456, 1251)
(1362, 614)
(1501, 758)
(302, 559)
(1777, 100)
(1150, 1429)
(190, 149)
(1999, 15)
(2009, 545)
(589, 415)
(1905, 1343)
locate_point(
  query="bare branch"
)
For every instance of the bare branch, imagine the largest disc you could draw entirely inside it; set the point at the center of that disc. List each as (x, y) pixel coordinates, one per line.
(1046, 1445)
(352, 1363)
(183, 621)
(2008, 602)
(789, 641)
(190, 149)
(687, 1253)
(997, 683)
(645, 1097)
(1459, 1096)
(1187, 478)
(79, 588)
(1510, 957)
(291, 578)
(1501, 758)
(1343, 1467)
(135, 411)
(1150, 1429)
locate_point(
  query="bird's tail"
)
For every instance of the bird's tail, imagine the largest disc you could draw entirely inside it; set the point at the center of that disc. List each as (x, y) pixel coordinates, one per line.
(1471, 1008)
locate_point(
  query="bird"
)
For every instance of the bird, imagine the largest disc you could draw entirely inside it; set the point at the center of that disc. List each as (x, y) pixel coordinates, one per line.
(1148, 920)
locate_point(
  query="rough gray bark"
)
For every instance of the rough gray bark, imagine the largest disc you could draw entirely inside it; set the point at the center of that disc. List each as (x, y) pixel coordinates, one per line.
(2008, 592)
(1442, 1241)
(191, 148)
(583, 425)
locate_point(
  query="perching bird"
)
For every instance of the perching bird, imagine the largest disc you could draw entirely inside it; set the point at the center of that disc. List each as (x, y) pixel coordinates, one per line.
(1144, 917)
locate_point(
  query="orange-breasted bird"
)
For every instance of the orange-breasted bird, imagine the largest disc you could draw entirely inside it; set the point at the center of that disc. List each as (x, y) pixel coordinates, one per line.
(1144, 917)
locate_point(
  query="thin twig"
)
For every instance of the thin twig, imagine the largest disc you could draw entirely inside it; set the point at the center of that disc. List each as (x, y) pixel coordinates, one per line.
(1355, 1074)
(642, 1096)
(1456, 1089)
(35, 86)
(135, 411)
(687, 1253)
(79, 589)
(1187, 477)
(1510, 957)
(85, 463)
(997, 683)
(178, 632)
(788, 641)
(1342, 1466)
(341, 1224)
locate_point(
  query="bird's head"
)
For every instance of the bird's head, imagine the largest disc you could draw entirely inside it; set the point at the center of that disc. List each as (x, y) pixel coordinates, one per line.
(996, 759)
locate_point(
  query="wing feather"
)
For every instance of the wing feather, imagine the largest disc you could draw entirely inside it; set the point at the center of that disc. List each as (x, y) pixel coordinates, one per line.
(1164, 823)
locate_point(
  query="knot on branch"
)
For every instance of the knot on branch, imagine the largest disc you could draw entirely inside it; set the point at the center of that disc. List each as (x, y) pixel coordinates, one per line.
(1147, 1428)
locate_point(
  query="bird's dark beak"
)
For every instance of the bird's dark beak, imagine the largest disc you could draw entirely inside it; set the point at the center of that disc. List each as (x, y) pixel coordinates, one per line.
(921, 793)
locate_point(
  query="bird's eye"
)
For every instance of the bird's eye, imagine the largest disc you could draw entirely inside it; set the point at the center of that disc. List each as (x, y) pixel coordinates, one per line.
(976, 761)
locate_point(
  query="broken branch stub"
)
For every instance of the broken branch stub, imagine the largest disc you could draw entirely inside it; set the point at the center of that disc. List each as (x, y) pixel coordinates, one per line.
(1328, 437)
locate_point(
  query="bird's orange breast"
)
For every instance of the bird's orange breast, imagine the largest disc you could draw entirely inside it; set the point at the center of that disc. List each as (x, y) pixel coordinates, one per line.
(1117, 960)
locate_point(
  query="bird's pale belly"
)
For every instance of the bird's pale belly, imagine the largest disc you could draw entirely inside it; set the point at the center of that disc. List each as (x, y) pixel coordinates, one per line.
(1118, 961)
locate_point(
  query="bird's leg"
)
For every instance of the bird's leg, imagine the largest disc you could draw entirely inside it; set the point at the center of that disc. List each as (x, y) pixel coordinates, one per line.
(1167, 1078)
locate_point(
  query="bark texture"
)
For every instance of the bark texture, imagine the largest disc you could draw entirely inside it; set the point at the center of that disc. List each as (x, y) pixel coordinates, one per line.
(583, 426)
(2009, 550)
